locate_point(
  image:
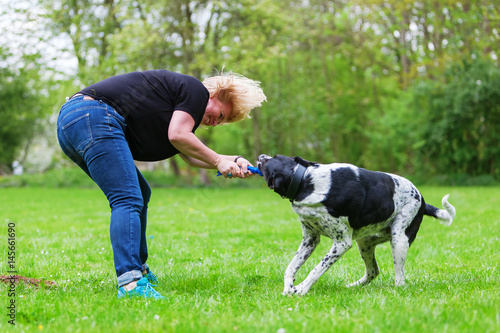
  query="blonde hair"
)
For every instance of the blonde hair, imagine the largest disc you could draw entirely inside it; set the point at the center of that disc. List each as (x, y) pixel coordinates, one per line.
(242, 93)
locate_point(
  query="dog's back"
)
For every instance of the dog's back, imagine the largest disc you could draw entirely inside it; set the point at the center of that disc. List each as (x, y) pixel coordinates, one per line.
(365, 197)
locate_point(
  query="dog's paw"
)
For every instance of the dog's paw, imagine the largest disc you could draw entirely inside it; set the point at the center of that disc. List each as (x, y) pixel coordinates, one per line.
(288, 290)
(360, 282)
(292, 290)
(363, 281)
(301, 289)
(354, 284)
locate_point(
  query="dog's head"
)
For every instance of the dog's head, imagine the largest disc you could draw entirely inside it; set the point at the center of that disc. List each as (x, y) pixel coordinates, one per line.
(279, 170)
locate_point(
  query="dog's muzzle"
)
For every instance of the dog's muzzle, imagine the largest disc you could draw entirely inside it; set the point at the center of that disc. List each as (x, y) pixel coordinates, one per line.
(263, 158)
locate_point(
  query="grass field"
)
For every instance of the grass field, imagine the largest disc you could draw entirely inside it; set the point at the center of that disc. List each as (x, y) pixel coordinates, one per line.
(220, 255)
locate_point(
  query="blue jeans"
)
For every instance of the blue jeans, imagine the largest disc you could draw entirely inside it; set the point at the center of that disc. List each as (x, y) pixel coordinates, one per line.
(92, 134)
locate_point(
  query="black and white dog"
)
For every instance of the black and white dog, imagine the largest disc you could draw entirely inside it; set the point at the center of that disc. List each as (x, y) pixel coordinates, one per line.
(346, 203)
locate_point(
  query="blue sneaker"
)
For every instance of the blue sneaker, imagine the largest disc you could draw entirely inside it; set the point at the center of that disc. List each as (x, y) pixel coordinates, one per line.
(143, 289)
(151, 277)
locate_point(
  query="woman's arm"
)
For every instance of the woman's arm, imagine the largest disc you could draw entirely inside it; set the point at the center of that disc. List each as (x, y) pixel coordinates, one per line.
(191, 161)
(195, 152)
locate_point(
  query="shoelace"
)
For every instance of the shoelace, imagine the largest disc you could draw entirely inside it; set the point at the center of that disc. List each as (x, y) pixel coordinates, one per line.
(148, 289)
(152, 277)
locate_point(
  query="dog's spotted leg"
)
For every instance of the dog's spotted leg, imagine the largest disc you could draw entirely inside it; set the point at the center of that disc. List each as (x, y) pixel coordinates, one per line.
(400, 245)
(309, 242)
(366, 248)
(336, 251)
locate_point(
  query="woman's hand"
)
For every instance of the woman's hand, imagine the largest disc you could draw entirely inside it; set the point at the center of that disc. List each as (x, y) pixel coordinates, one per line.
(228, 168)
(244, 164)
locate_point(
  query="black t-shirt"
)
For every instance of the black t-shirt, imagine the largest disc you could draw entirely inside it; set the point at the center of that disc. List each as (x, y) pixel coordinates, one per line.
(147, 101)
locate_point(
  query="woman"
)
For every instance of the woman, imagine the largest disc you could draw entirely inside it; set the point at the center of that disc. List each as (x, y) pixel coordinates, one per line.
(148, 116)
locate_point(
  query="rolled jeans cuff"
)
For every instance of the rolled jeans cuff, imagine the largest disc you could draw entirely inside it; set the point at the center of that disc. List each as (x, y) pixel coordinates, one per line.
(128, 277)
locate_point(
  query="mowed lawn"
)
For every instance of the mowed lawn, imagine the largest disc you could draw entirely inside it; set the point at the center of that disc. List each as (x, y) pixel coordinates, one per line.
(220, 255)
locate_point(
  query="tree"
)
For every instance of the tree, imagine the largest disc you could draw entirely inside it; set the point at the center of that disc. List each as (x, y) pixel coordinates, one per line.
(343, 78)
(19, 112)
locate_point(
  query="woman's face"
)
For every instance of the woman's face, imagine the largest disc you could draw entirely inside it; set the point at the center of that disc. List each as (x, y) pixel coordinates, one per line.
(216, 112)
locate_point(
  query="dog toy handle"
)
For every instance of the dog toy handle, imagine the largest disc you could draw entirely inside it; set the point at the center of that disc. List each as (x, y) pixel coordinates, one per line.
(250, 168)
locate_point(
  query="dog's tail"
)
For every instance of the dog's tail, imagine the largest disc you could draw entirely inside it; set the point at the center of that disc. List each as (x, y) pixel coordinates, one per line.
(446, 215)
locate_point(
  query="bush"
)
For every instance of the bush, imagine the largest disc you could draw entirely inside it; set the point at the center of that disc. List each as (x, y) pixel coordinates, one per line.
(461, 134)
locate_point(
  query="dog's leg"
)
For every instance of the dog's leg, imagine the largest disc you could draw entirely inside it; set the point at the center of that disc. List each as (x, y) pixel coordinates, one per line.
(400, 245)
(309, 242)
(366, 248)
(336, 251)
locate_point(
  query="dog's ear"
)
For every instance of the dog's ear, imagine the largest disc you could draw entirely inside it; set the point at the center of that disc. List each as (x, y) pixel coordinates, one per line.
(303, 162)
(279, 185)
(270, 182)
(276, 183)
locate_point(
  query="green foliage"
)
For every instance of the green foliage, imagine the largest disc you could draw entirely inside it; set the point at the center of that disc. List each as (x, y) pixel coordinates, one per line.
(446, 128)
(343, 78)
(394, 135)
(220, 257)
(19, 112)
(463, 114)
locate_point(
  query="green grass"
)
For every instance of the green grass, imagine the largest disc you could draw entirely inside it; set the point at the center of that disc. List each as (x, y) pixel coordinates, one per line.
(220, 255)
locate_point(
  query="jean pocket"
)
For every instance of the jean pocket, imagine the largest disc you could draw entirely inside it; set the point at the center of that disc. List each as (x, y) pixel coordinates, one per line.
(78, 132)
